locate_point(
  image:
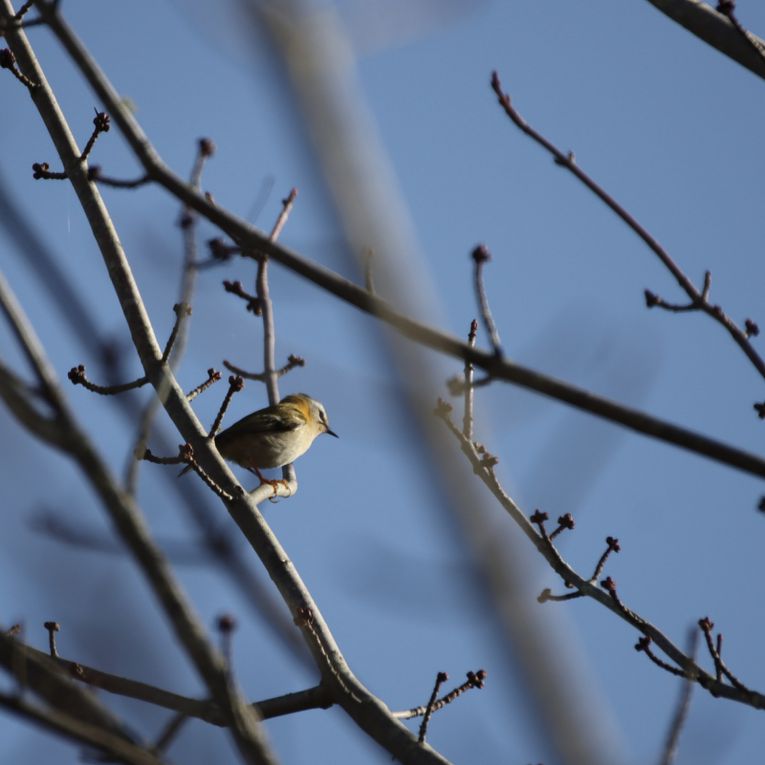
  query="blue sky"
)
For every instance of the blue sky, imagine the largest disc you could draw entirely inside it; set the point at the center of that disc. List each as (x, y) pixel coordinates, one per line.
(669, 126)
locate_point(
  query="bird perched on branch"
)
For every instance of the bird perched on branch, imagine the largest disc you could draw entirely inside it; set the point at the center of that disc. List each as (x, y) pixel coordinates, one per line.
(274, 436)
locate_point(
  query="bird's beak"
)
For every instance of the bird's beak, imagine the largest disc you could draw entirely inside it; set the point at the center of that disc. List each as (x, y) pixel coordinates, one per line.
(331, 433)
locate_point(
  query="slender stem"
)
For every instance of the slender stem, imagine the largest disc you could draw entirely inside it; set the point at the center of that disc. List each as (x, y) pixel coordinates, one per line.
(467, 417)
(270, 372)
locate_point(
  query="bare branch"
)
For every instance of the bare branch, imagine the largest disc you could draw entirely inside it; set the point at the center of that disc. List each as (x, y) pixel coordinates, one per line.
(467, 417)
(699, 299)
(481, 256)
(251, 239)
(606, 594)
(82, 733)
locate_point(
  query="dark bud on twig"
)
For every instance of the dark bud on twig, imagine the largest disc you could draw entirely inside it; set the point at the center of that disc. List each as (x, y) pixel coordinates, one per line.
(206, 147)
(101, 122)
(7, 59)
(539, 516)
(750, 328)
(219, 250)
(226, 624)
(643, 643)
(650, 298)
(566, 521)
(476, 679)
(481, 254)
(76, 374)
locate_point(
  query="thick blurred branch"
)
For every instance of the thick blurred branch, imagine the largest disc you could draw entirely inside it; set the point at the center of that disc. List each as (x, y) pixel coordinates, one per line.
(80, 732)
(53, 679)
(711, 26)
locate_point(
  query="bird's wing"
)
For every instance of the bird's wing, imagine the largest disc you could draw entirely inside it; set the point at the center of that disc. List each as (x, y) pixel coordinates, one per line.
(265, 420)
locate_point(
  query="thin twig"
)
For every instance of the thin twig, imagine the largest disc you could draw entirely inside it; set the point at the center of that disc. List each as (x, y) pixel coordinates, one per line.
(235, 384)
(715, 651)
(606, 594)
(613, 547)
(169, 732)
(287, 204)
(183, 457)
(474, 680)
(23, 9)
(77, 376)
(8, 61)
(236, 288)
(42, 171)
(53, 628)
(182, 311)
(467, 416)
(567, 161)
(292, 362)
(441, 678)
(213, 376)
(643, 645)
(269, 328)
(481, 256)
(176, 343)
(95, 175)
(101, 124)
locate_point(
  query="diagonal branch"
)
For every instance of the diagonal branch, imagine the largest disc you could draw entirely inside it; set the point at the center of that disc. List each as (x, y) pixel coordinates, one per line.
(80, 732)
(483, 466)
(699, 298)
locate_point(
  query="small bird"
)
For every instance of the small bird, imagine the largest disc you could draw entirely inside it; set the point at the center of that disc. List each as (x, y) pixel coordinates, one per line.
(274, 436)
